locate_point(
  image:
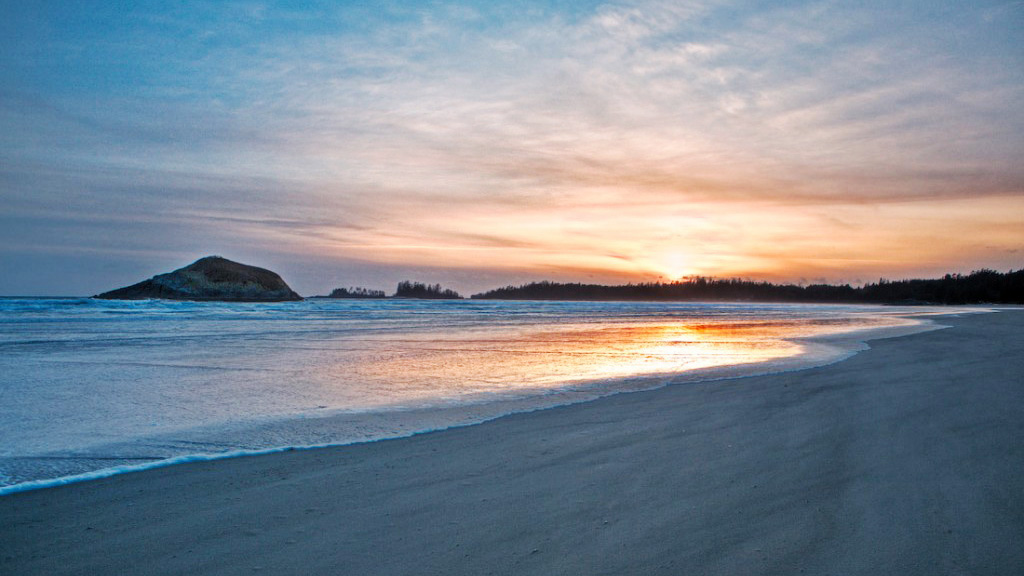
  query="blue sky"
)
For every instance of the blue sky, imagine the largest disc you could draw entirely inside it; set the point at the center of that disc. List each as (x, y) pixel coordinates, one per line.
(477, 144)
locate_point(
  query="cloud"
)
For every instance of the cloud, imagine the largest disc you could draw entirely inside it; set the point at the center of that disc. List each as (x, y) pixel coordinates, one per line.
(609, 137)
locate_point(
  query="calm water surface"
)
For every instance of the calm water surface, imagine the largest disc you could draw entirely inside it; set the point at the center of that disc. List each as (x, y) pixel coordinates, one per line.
(88, 384)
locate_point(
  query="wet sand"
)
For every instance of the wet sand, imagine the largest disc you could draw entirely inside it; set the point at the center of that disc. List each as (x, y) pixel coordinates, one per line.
(905, 459)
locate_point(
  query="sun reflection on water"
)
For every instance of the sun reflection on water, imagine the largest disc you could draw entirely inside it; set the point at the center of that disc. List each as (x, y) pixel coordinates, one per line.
(501, 361)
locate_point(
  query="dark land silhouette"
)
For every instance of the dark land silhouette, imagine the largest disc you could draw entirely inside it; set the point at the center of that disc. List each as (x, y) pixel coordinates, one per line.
(210, 279)
(355, 292)
(979, 287)
(217, 279)
(407, 289)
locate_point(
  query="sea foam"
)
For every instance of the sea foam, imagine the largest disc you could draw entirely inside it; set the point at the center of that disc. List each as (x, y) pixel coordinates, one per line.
(95, 388)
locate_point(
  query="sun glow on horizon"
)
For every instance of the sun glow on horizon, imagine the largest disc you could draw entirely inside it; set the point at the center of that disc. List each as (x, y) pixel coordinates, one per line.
(478, 144)
(676, 266)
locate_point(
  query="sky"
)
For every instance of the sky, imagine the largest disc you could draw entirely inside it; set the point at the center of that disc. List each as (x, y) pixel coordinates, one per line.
(479, 144)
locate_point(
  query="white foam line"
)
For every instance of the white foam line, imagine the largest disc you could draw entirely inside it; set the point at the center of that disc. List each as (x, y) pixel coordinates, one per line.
(856, 337)
(117, 470)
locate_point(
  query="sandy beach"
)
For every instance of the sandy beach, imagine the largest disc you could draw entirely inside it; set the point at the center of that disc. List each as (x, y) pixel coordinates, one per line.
(905, 459)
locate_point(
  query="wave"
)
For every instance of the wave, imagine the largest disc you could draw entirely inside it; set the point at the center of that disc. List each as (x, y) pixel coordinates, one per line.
(334, 373)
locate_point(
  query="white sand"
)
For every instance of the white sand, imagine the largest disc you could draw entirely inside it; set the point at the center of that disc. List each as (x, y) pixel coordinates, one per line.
(906, 459)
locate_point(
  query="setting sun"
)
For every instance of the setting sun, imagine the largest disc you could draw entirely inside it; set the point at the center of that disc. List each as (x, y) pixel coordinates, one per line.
(641, 142)
(675, 266)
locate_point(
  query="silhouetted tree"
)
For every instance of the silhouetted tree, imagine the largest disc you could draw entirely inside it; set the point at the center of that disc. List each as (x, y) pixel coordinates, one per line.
(982, 286)
(351, 292)
(407, 289)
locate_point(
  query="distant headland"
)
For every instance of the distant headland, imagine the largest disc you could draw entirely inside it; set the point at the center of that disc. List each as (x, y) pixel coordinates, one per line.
(210, 279)
(979, 287)
(217, 279)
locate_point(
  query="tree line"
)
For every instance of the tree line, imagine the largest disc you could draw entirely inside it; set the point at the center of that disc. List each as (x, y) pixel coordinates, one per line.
(406, 289)
(356, 293)
(409, 289)
(978, 287)
(981, 286)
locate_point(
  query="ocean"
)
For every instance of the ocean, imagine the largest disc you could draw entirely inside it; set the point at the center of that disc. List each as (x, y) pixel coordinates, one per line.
(94, 387)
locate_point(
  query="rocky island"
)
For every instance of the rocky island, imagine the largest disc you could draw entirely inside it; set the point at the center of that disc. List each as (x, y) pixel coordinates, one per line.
(213, 279)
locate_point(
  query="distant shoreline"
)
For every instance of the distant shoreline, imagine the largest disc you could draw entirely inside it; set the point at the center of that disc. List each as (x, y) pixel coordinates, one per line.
(985, 287)
(979, 287)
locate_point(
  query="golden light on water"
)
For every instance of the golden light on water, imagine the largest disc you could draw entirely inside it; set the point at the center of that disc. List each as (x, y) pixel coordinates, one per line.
(672, 348)
(506, 361)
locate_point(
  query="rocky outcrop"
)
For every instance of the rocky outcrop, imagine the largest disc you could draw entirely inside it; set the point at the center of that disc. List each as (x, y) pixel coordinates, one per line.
(212, 278)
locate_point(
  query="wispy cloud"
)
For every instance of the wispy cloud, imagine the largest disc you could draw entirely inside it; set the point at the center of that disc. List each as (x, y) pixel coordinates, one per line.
(615, 137)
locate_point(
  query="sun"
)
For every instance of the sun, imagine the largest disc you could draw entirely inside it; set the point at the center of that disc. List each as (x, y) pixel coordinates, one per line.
(675, 266)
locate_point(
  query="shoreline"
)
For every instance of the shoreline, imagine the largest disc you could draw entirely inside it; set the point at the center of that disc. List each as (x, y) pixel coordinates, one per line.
(902, 459)
(830, 348)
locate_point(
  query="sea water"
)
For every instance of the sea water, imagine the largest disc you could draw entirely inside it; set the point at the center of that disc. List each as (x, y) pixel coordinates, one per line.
(88, 386)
